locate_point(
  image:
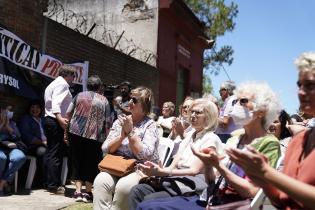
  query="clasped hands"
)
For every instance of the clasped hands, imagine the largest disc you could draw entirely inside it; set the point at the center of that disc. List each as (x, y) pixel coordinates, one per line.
(126, 124)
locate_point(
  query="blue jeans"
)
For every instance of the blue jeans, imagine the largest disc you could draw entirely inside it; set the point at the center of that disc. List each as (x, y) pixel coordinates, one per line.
(10, 163)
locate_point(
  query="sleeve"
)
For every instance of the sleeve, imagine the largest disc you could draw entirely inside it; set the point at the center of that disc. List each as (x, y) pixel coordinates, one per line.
(59, 94)
(26, 128)
(149, 142)
(229, 107)
(113, 133)
(271, 149)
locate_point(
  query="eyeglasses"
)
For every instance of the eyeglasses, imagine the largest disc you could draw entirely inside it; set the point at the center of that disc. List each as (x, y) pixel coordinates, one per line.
(185, 107)
(222, 89)
(196, 112)
(134, 100)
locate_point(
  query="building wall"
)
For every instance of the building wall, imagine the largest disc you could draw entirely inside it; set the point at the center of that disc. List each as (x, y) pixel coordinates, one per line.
(179, 49)
(111, 65)
(136, 21)
(24, 18)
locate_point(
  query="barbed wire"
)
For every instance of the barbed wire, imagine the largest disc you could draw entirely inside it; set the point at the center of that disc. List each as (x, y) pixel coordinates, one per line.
(111, 38)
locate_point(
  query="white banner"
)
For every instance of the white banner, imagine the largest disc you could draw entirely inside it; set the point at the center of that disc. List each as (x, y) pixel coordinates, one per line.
(24, 55)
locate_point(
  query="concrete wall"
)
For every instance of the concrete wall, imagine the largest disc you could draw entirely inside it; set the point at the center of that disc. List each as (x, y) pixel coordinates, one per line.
(135, 20)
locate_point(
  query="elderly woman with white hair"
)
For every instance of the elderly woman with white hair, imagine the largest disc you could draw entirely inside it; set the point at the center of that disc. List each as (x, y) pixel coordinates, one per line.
(294, 188)
(256, 108)
(203, 118)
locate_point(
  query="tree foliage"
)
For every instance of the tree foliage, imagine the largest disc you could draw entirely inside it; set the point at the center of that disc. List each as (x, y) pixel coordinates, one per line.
(218, 17)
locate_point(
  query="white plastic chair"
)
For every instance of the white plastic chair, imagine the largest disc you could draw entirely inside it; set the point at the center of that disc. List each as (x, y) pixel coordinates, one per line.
(32, 170)
(165, 149)
(30, 174)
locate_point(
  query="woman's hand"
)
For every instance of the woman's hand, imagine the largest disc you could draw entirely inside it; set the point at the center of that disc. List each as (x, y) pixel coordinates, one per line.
(208, 156)
(126, 124)
(178, 128)
(150, 169)
(253, 163)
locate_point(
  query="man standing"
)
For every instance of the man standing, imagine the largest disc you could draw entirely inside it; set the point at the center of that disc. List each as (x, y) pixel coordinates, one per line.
(123, 106)
(226, 123)
(57, 100)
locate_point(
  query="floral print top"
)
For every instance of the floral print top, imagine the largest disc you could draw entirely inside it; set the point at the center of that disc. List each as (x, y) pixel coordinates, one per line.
(147, 132)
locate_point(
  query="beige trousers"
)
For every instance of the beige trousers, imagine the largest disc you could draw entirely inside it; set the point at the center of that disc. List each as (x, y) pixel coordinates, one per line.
(111, 192)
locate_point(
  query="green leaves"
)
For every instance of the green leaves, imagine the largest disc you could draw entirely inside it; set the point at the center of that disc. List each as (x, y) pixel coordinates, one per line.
(218, 17)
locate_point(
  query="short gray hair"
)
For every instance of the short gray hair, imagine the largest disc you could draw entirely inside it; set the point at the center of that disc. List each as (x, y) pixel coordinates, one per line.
(94, 83)
(264, 98)
(211, 112)
(306, 61)
(229, 86)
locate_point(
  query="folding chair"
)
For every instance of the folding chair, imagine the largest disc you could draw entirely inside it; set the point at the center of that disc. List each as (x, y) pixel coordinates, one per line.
(165, 149)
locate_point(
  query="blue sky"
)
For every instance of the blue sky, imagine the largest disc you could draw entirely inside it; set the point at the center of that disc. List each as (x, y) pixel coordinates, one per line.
(268, 36)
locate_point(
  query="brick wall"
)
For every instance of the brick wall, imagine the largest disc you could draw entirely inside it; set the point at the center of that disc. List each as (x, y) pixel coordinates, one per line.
(111, 65)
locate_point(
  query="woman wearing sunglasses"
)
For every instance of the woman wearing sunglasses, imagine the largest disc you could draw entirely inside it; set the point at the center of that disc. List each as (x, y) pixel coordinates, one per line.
(295, 187)
(133, 136)
(256, 108)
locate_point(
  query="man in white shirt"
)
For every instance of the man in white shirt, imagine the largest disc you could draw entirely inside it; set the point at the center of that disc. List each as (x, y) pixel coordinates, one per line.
(57, 100)
(226, 123)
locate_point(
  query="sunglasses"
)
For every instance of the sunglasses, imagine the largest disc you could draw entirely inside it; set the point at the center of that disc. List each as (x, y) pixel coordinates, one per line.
(134, 100)
(243, 101)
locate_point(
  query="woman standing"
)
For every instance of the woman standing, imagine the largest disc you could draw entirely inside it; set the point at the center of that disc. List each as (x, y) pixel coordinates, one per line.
(133, 136)
(89, 116)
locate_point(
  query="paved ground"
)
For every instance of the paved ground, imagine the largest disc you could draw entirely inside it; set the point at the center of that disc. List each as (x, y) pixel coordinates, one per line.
(36, 200)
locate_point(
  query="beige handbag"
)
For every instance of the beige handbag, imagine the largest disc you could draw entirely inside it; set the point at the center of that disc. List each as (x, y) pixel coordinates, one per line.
(117, 165)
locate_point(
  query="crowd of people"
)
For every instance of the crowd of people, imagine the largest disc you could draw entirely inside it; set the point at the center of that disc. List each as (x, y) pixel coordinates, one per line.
(225, 150)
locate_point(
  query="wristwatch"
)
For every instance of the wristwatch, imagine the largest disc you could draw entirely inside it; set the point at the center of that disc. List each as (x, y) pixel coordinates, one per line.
(131, 133)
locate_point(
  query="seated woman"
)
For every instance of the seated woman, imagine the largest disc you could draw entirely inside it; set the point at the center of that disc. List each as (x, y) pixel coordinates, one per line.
(32, 130)
(203, 118)
(133, 136)
(181, 125)
(295, 187)
(165, 121)
(11, 158)
(279, 128)
(256, 108)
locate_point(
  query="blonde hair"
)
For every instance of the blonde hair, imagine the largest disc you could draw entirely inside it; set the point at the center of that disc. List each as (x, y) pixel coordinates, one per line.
(306, 61)
(146, 98)
(211, 112)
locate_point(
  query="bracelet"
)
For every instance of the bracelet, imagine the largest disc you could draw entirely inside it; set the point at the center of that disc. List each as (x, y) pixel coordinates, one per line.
(131, 133)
